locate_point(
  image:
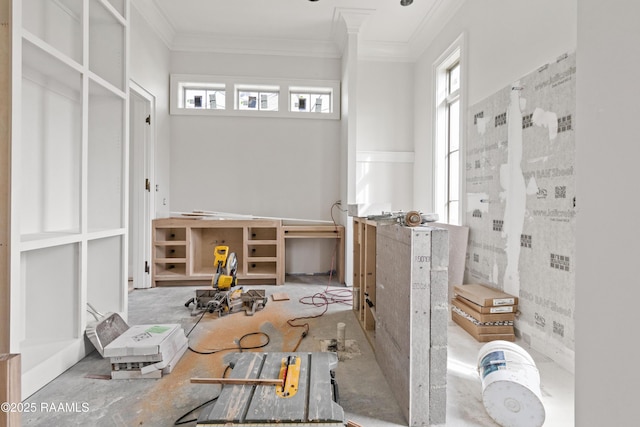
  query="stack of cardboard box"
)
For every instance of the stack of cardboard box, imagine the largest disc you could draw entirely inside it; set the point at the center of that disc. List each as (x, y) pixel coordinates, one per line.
(484, 312)
(146, 351)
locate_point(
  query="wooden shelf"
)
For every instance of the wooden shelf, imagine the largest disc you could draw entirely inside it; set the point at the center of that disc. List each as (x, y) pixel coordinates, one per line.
(320, 232)
(258, 246)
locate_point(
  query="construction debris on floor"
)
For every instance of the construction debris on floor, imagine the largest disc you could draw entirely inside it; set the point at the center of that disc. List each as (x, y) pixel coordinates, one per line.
(487, 314)
(140, 351)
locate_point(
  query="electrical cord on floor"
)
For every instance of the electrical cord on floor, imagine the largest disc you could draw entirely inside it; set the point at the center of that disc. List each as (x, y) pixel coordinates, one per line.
(239, 347)
(182, 420)
(325, 298)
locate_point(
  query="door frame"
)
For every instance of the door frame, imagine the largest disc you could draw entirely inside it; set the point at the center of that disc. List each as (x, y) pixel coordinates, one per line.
(142, 198)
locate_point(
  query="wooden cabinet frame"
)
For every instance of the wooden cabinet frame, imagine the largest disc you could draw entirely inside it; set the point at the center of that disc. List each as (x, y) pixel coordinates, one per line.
(183, 250)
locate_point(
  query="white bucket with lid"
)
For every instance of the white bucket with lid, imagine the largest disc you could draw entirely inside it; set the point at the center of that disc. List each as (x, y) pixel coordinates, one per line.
(510, 385)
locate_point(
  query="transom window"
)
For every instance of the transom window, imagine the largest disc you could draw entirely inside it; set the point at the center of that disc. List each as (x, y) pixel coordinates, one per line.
(254, 96)
(213, 99)
(258, 98)
(310, 100)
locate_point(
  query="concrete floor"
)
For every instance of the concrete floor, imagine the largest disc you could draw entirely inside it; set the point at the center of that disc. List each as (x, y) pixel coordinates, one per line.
(364, 393)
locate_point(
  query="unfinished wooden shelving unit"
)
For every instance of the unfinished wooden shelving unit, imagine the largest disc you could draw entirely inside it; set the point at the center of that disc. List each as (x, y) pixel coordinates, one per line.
(183, 250)
(320, 232)
(364, 274)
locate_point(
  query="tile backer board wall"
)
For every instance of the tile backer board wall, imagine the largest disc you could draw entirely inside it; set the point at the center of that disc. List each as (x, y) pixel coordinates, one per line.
(520, 183)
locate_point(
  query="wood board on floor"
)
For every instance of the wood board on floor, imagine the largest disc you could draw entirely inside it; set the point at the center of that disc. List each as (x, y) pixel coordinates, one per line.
(280, 296)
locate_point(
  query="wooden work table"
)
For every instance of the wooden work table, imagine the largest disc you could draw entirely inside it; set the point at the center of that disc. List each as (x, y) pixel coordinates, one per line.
(320, 232)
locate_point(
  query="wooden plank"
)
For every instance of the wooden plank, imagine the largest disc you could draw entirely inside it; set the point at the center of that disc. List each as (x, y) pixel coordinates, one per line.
(280, 296)
(313, 232)
(10, 389)
(239, 381)
(5, 170)
(369, 275)
(357, 266)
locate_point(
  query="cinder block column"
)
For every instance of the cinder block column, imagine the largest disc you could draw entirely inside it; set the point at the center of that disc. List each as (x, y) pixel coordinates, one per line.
(412, 317)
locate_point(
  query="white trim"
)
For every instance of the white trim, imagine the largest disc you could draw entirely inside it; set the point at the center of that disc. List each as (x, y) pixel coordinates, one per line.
(436, 18)
(143, 236)
(385, 156)
(219, 43)
(156, 20)
(434, 22)
(233, 83)
(454, 53)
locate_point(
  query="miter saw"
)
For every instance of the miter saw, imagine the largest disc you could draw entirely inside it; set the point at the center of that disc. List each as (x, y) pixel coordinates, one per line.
(222, 299)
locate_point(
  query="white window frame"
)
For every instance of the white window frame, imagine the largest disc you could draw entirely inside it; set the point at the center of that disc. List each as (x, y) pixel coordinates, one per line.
(202, 87)
(261, 90)
(233, 85)
(310, 92)
(443, 99)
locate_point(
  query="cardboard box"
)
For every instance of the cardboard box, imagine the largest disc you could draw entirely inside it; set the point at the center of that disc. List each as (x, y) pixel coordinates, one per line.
(485, 333)
(146, 351)
(484, 295)
(488, 310)
(470, 308)
(168, 364)
(146, 340)
(484, 328)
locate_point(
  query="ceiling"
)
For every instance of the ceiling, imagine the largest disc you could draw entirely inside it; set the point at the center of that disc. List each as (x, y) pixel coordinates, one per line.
(385, 29)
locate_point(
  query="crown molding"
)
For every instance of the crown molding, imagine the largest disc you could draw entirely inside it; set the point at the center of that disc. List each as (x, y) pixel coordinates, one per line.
(433, 23)
(205, 42)
(353, 18)
(156, 19)
(384, 51)
(345, 21)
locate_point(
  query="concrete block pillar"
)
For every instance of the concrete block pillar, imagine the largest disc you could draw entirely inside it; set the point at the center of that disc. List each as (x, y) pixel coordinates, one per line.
(412, 318)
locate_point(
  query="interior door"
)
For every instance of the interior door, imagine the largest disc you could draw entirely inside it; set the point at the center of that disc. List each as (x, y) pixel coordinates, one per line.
(141, 182)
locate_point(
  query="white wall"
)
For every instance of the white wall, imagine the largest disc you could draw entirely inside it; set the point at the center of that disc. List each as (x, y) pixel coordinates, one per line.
(607, 234)
(384, 169)
(149, 67)
(275, 167)
(503, 40)
(385, 106)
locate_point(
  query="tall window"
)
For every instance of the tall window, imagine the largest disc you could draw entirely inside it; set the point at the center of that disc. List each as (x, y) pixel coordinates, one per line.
(447, 153)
